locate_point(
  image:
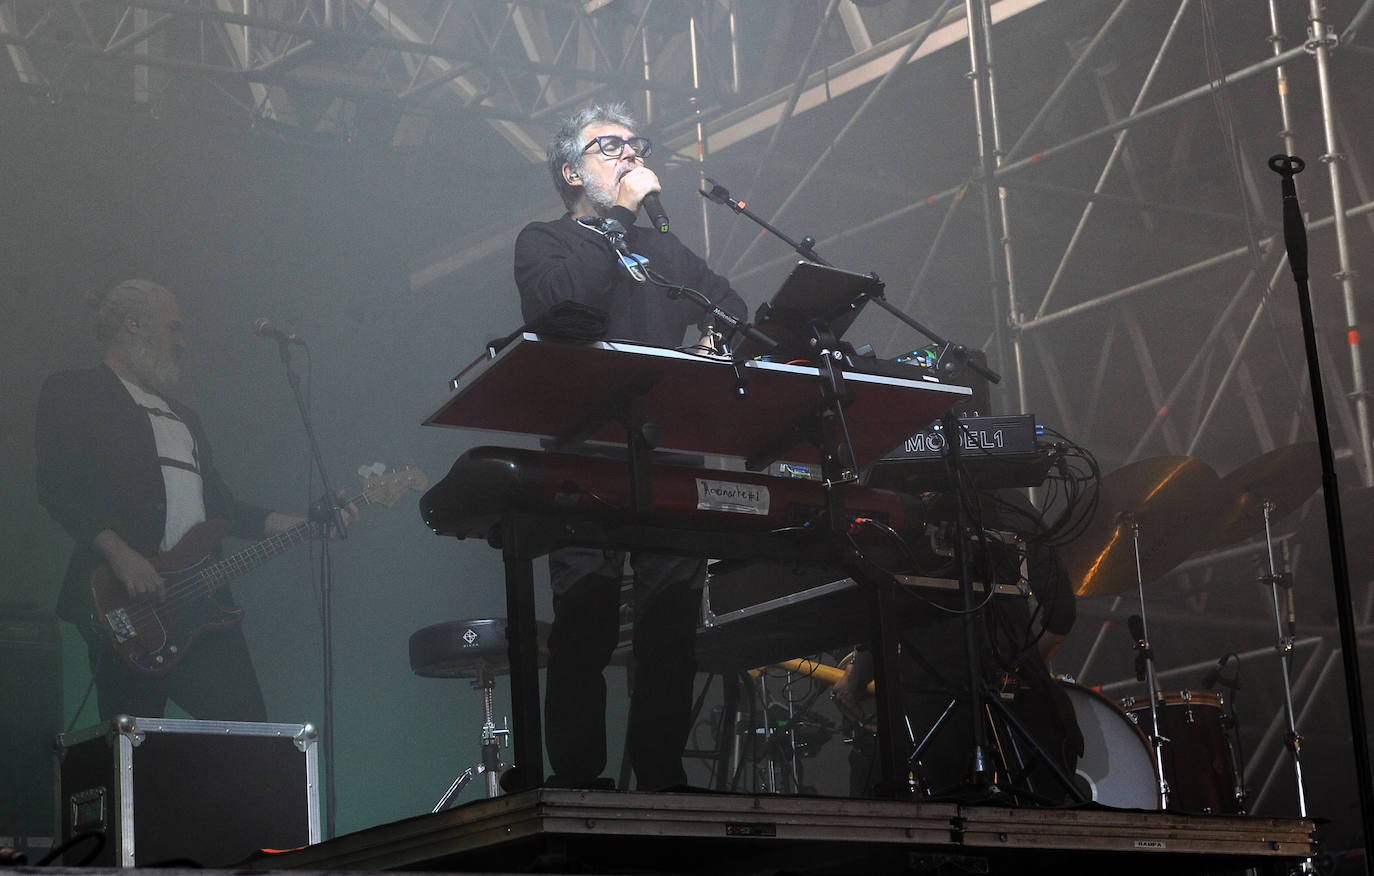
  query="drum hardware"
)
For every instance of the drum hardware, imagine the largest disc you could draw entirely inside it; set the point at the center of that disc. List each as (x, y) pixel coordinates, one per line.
(1259, 494)
(1145, 666)
(785, 730)
(1230, 723)
(475, 649)
(1150, 517)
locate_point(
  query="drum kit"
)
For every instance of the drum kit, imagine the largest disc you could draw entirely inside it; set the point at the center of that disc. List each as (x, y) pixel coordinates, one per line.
(1168, 749)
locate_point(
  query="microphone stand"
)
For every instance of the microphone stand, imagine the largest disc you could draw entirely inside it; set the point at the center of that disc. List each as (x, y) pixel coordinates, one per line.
(807, 249)
(1295, 241)
(333, 517)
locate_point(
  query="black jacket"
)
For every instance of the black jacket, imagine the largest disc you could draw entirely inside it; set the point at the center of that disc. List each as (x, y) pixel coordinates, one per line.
(564, 261)
(98, 469)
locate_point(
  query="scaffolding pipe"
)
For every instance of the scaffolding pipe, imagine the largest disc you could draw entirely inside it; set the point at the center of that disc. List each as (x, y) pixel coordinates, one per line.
(878, 89)
(1321, 44)
(1178, 273)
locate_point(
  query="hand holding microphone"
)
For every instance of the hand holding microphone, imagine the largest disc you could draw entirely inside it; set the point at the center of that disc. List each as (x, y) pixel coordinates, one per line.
(639, 188)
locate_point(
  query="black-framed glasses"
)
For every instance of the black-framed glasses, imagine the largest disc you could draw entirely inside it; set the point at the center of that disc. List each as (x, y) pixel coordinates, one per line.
(612, 146)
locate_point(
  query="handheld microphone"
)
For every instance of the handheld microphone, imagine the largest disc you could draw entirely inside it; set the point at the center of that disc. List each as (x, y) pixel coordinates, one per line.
(653, 208)
(263, 328)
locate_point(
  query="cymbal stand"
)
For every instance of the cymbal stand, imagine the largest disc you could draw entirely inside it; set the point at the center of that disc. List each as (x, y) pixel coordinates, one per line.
(775, 747)
(493, 738)
(1275, 579)
(1147, 657)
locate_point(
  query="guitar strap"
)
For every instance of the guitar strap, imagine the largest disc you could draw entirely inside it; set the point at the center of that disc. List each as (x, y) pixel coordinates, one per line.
(192, 465)
(178, 457)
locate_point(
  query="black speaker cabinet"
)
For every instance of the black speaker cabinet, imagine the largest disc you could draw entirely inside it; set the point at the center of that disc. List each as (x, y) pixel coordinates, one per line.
(209, 792)
(31, 694)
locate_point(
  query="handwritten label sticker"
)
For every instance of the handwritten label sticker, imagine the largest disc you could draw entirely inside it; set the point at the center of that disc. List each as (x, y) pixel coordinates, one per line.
(731, 497)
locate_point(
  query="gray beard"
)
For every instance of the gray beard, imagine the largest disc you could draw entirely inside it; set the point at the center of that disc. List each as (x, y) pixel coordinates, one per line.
(155, 370)
(602, 198)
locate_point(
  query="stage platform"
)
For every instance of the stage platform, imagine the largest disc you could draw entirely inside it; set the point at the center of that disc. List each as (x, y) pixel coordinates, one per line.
(547, 830)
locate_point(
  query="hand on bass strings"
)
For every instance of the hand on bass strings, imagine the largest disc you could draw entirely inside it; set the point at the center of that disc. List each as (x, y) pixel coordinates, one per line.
(134, 571)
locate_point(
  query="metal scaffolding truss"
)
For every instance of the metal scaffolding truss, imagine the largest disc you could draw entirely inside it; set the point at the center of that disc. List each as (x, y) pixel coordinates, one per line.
(1185, 377)
(1235, 326)
(381, 72)
(338, 67)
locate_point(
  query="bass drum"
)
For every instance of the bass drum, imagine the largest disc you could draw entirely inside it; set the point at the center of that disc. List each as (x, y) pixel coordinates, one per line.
(1117, 764)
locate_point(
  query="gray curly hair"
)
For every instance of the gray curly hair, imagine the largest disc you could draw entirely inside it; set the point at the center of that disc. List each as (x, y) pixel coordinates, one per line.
(567, 144)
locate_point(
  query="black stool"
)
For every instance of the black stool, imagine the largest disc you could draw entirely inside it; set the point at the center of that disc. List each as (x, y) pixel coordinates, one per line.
(474, 649)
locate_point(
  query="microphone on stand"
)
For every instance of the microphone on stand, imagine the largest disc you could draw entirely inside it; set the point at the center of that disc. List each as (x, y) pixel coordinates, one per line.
(1209, 681)
(653, 208)
(1288, 588)
(263, 328)
(1136, 624)
(718, 193)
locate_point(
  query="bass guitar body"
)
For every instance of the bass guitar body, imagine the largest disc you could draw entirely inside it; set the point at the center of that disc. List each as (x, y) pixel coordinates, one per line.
(152, 635)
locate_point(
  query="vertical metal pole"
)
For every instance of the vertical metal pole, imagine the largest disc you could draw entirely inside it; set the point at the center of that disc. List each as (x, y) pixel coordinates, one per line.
(491, 745)
(980, 74)
(1157, 739)
(701, 140)
(247, 36)
(734, 52)
(648, 91)
(1320, 44)
(1285, 652)
(1281, 79)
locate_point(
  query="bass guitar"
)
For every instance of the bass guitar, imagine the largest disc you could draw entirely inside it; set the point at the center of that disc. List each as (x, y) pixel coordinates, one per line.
(152, 635)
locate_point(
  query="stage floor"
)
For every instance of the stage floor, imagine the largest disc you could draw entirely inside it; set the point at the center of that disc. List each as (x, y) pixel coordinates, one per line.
(548, 830)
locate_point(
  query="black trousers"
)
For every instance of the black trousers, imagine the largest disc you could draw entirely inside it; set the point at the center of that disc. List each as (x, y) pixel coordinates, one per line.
(214, 681)
(586, 628)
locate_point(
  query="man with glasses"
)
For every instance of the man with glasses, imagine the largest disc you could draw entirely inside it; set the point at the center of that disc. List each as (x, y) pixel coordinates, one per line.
(597, 162)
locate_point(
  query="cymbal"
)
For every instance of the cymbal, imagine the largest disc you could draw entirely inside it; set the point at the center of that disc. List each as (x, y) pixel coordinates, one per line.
(1286, 476)
(1171, 499)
